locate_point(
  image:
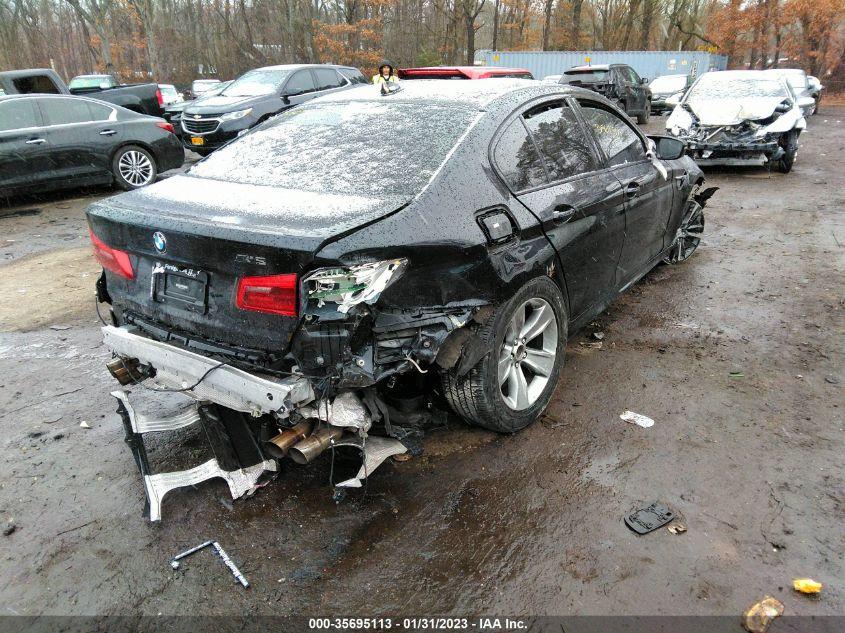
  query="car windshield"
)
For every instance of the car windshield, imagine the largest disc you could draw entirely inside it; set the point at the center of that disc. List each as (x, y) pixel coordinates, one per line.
(669, 83)
(713, 87)
(91, 81)
(256, 83)
(335, 148)
(586, 76)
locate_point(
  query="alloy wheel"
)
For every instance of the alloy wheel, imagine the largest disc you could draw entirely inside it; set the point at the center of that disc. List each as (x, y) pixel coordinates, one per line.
(688, 235)
(135, 168)
(528, 352)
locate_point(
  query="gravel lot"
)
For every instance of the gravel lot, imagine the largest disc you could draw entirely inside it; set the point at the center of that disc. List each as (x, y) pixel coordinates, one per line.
(736, 354)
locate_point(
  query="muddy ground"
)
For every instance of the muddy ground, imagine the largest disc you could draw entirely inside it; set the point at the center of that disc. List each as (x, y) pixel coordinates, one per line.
(736, 354)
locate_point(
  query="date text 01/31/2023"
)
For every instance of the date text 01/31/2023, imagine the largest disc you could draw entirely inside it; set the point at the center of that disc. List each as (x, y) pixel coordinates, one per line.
(418, 624)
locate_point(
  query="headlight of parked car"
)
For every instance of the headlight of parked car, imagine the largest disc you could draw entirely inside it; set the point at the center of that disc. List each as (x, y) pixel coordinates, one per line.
(232, 116)
(350, 285)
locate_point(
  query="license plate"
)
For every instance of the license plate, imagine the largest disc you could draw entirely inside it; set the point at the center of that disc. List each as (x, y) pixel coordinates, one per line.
(197, 140)
(185, 287)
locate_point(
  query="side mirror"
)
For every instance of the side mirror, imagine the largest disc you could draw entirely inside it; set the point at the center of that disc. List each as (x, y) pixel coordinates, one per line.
(104, 85)
(668, 147)
(285, 99)
(643, 80)
(806, 102)
(675, 99)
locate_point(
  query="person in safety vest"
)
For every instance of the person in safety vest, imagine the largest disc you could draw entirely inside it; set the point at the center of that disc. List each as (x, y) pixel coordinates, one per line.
(386, 74)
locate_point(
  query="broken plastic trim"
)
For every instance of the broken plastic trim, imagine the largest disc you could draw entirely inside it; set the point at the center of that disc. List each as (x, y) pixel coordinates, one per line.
(351, 285)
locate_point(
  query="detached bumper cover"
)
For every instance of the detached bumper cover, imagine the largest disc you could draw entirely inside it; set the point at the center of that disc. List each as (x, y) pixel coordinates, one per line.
(222, 384)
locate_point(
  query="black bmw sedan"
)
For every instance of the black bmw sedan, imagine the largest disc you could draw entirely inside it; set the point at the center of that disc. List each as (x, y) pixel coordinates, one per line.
(59, 141)
(316, 261)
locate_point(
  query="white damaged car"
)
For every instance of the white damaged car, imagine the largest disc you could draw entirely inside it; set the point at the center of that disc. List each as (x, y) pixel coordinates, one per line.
(739, 117)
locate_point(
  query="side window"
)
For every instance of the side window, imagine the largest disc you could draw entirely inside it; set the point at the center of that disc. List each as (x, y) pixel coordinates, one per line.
(99, 112)
(617, 139)
(300, 83)
(353, 75)
(63, 111)
(517, 159)
(17, 114)
(327, 79)
(635, 78)
(560, 139)
(35, 83)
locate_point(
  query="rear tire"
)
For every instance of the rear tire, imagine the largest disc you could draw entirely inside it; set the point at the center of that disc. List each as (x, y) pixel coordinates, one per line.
(133, 167)
(512, 385)
(789, 143)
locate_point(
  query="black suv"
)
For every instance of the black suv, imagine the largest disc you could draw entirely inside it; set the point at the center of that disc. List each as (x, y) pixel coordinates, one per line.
(617, 82)
(256, 96)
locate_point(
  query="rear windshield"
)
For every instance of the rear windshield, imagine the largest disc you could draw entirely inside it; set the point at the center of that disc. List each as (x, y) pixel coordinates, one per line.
(718, 86)
(344, 148)
(256, 83)
(89, 82)
(586, 76)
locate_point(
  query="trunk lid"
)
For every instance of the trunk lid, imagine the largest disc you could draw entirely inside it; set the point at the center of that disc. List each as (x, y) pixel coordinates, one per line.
(214, 233)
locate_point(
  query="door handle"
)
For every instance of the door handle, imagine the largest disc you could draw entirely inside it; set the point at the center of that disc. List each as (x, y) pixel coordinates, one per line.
(632, 189)
(107, 132)
(35, 141)
(563, 213)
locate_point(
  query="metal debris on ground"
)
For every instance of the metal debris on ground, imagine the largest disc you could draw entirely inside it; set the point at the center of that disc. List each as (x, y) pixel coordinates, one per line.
(598, 335)
(592, 345)
(736, 374)
(174, 563)
(84, 425)
(9, 529)
(759, 616)
(637, 418)
(648, 519)
(677, 528)
(807, 585)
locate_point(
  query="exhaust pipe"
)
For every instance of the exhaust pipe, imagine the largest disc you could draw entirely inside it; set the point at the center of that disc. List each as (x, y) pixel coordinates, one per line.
(279, 445)
(306, 450)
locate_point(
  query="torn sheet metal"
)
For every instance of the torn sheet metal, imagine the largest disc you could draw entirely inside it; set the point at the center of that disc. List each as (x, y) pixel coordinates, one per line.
(146, 424)
(178, 368)
(637, 418)
(376, 450)
(240, 481)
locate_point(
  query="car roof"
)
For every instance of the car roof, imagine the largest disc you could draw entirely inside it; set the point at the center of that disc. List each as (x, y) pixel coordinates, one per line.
(297, 66)
(92, 75)
(26, 72)
(739, 74)
(480, 95)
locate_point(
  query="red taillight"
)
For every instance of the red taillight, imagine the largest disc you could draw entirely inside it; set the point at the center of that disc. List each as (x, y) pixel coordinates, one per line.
(160, 97)
(275, 294)
(111, 258)
(166, 126)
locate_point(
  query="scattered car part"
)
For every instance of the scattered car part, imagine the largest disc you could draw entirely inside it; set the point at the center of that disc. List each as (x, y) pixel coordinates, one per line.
(806, 585)
(308, 449)
(174, 562)
(637, 418)
(375, 450)
(677, 528)
(758, 617)
(279, 445)
(648, 519)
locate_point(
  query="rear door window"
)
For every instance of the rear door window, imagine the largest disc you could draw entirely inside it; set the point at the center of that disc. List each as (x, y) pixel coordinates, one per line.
(353, 75)
(300, 83)
(619, 142)
(517, 158)
(17, 114)
(327, 78)
(64, 111)
(560, 139)
(37, 83)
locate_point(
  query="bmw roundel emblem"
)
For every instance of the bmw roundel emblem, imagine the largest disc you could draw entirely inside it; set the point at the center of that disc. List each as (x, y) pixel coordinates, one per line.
(159, 241)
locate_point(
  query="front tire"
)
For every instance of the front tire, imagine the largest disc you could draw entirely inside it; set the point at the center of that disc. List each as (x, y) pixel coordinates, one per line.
(644, 116)
(512, 385)
(133, 167)
(689, 234)
(789, 143)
